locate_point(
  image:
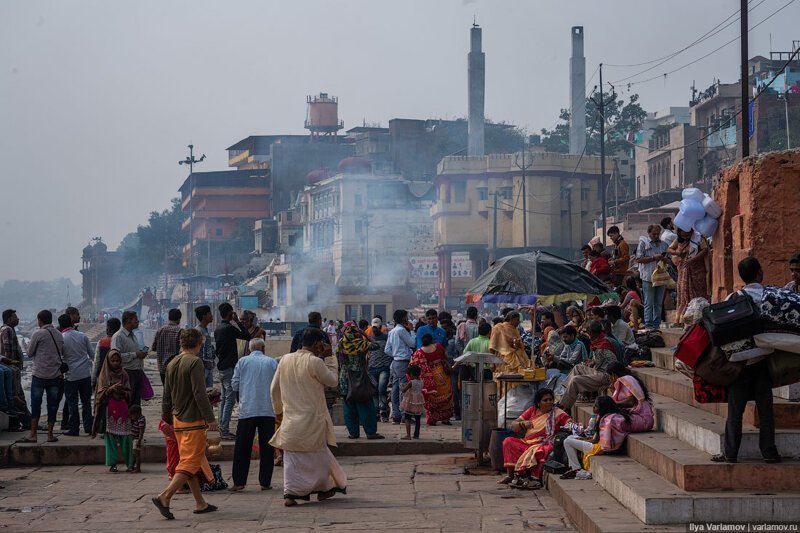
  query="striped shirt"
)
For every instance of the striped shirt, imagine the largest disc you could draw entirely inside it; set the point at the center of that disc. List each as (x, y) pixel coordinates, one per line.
(137, 427)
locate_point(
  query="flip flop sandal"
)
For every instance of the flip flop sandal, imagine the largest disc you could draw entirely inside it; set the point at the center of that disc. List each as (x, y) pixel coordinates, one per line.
(26, 440)
(569, 475)
(163, 509)
(209, 509)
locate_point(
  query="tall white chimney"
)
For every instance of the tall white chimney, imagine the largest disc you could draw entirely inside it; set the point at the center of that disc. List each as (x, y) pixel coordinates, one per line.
(476, 93)
(577, 88)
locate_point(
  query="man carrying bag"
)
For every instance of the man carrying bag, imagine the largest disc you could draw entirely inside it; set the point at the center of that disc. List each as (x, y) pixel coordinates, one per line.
(753, 382)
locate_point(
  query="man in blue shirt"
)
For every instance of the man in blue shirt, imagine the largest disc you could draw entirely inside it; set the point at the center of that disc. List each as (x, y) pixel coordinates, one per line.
(399, 346)
(252, 379)
(650, 251)
(439, 335)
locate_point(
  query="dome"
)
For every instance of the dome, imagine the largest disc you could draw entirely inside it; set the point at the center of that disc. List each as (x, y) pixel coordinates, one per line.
(316, 176)
(87, 250)
(355, 165)
(100, 247)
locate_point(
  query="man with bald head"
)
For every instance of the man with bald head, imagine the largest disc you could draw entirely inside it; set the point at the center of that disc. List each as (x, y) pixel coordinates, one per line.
(252, 379)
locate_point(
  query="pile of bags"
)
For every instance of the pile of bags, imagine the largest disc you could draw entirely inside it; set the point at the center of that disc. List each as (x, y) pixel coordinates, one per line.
(732, 332)
(699, 212)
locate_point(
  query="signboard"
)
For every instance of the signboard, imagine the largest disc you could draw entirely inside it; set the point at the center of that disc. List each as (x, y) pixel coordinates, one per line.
(423, 267)
(460, 265)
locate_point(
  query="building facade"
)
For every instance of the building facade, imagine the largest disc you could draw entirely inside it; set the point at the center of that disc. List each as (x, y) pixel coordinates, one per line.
(478, 215)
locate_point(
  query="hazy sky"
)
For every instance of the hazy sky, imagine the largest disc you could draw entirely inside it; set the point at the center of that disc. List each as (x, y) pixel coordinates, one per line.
(98, 99)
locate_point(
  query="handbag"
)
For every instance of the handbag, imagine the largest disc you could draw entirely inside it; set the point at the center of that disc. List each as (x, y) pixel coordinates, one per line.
(147, 392)
(359, 385)
(715, 368)
(704, 392)
(64, 368)
(661, 277)
(693, 344)
(735, 319)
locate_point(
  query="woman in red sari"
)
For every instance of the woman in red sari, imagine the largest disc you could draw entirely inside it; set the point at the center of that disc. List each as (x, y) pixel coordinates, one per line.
(432, 361)
(524, 457)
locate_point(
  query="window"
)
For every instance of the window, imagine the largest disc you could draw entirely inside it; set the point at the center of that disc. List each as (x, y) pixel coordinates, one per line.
(380, 309)
(366, 311)
(359, 227)
(505, 192)
(219, 232)
(460, 191)
(292, 239)
(281, 290)
(288, 216)
(350, 312)
(358, 200)
(584, 194)
(483, 193)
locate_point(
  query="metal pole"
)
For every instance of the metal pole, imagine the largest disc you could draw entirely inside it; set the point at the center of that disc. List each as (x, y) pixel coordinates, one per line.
(493, 254)
(603, 151)
(786, 109)
(191, 209)
(524, 203)
(745, 81)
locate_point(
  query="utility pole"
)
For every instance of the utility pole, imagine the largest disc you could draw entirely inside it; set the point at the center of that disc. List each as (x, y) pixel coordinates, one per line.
(493, 250)
(602, 107)
(745, 82)
(523, 167)
(191, 161)
(786, 110)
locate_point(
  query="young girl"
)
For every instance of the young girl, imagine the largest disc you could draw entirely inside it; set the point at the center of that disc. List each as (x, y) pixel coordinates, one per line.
(114, 392)
(609, 435)
(138, 425)
(413, 404)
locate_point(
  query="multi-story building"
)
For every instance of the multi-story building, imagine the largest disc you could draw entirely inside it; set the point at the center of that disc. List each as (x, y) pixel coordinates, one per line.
(667, 160)
(361, 231)
(479, 215)
(221, 208)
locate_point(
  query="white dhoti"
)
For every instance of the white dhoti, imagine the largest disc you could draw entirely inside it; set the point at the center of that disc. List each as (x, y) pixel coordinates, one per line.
(307, 473)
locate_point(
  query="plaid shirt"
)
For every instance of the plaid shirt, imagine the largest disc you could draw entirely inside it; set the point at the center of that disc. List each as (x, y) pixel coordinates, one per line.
(166, 344)
(9, 344)
(137, 427)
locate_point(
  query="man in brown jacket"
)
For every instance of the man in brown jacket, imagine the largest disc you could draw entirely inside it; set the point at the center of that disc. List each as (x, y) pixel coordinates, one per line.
(620, 258)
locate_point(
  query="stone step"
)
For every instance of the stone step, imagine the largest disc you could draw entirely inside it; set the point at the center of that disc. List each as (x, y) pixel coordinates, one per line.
(705, 432)
(654, 500)
(678, 387)
(86, 451)
(593, 510)
(671, 336)
(692, 470)
(664, 358)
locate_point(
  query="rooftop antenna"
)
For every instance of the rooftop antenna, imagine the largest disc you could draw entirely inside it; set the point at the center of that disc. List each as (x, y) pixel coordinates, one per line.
(474, 21)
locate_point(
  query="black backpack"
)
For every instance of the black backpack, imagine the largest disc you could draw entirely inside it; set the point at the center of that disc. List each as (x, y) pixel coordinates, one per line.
(651, 339)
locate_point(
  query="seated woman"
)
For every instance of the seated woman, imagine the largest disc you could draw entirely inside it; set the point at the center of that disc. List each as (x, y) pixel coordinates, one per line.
(523, 457)
(631, 396)
(632, 307)
(591, 376)
(608, 437)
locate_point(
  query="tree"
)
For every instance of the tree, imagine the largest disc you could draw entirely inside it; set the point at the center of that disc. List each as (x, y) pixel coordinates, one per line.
(156, 247)
(621, 119)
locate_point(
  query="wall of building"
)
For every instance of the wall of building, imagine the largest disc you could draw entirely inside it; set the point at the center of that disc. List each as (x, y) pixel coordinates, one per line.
(759, 199)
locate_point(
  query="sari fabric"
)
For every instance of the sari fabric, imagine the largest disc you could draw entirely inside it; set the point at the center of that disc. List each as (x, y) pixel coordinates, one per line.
(642, 413)
(612, 435)
(530, 451)
(436, 384)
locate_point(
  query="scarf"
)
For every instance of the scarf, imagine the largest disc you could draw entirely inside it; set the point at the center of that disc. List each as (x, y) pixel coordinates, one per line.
(108, 377)
(353, 342)
(602, 343)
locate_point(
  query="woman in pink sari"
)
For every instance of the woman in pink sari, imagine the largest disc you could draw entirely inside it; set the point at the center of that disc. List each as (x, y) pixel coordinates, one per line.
(632, 396)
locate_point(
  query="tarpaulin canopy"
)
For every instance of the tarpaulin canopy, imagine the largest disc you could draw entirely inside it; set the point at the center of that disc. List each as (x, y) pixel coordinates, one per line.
(536, 277)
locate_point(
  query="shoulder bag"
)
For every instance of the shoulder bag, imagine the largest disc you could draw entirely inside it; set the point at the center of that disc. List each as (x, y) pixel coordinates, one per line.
(735, 319)
(359, 385)
(64, 367)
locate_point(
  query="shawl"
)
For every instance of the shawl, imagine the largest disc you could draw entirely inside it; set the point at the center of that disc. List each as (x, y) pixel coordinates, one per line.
(107, 377)
(353, 342)
(602, 343)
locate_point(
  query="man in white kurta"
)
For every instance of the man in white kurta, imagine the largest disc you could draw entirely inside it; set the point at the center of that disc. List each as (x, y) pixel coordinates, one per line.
(306, 430)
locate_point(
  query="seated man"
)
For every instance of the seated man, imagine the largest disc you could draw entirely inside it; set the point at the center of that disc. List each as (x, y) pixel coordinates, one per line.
(591, 376)
(560, 364)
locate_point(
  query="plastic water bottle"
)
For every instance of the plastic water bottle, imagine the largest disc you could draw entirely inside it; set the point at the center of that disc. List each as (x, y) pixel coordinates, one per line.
(574, 429)
(580, 430)
(590, 429)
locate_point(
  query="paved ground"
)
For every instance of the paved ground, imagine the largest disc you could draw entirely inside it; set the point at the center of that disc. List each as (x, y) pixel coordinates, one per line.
(412, 493)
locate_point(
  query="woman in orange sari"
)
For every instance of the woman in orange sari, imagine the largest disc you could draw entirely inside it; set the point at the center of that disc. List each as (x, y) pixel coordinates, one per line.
(432, 361)
(524, 457)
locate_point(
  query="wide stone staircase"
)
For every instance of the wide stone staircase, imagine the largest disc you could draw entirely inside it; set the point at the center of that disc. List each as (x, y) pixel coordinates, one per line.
(664, 478)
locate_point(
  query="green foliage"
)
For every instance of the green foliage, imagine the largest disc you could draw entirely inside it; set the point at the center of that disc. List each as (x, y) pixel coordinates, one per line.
(621, 118)
(160, 241)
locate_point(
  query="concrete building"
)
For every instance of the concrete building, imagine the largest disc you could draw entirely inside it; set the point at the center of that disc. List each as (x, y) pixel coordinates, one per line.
(714, 114)
(668, 160)
(478, 212)
(361, 234)
(577, 91)
(476, 92)
(221, 208)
